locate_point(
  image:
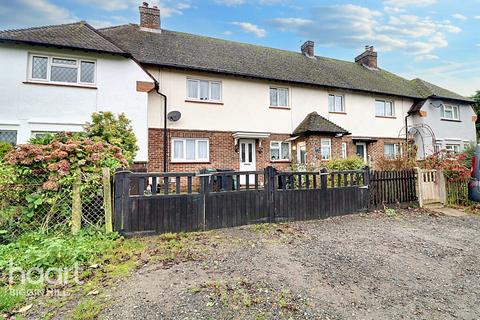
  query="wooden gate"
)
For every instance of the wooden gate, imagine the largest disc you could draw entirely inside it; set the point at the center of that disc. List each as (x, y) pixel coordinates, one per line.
(431, 187)
(181, 202)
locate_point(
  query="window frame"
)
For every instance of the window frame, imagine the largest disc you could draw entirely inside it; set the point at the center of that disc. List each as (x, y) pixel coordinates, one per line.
(184, 159)
(344, 150)
(397, 151)
(280, 151)
(50, 63)
(278, 88)
(384, 115)
(334, 95)
(452, 107)
(8, 131)
(209, 99)
(322, 140)
(448, 145)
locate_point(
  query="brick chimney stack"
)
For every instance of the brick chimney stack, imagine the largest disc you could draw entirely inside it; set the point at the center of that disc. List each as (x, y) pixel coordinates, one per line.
(149, 17)
(308, 49)
(368, 58)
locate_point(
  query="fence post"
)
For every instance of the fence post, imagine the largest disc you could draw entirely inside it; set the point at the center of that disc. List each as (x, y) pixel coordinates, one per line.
(204, 190)
(270, 188)
(419, 186)
(120, 203)
(442, 188)
(323, 178)
(77, 203)
(107, 199)
(366, 183)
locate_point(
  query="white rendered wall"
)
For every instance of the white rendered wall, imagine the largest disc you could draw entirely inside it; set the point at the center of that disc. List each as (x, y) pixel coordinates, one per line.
(31, 107)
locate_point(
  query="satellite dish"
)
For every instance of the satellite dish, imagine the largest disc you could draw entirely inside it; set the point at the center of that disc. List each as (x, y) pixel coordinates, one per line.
(437, 104)
(174, 116)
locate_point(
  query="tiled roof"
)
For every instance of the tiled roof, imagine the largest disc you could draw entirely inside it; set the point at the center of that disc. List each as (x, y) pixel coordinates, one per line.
(315, 123)
(79, 35)
(428, 90)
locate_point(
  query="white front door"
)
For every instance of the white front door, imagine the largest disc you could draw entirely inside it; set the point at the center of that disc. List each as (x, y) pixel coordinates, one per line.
(362, 151)
(247, 159)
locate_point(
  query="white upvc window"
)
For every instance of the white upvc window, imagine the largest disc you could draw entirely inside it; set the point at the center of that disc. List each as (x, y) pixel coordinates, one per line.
(302, 153)
(190, 150)
(455, 148)
(279, 151)
(344, 150)
(8, 136)
(326, 148)
(279, 97)
(392, 150)
(204, 90)
(450, 112)
(336, 103)
(384, 108)
(62, 70)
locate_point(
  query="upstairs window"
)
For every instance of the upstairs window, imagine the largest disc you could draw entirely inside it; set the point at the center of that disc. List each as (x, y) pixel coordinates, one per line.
(190, 150)
(279, 151)
(279, 97)
(62, 70)
(335, 103)
(384, 108)
(450, 112)
(204, 90)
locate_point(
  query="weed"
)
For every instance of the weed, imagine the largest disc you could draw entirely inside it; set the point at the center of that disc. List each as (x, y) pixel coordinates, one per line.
(390, 212)
(87, 309)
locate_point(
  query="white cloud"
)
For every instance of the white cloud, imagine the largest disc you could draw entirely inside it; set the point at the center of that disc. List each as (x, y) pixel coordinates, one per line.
(476, 17)
(21, 13)
(426, 57)
(459, 16)
(478, 44)
(227, 32)
(231, 3)
(355, 26)
(183, 6)
(251, 28)
(285, 24)
(408, 3)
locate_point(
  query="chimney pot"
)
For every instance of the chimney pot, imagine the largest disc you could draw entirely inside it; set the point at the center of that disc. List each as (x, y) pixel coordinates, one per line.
(368, 58)
(308, 49)
(149, 17)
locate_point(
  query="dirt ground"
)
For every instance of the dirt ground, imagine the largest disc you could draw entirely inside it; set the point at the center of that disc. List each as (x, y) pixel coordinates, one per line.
(412, 265)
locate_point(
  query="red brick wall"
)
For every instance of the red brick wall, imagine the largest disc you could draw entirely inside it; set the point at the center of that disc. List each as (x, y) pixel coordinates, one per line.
(223, 153)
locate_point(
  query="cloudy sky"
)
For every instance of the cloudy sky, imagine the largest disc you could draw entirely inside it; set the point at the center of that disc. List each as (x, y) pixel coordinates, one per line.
(437, 40)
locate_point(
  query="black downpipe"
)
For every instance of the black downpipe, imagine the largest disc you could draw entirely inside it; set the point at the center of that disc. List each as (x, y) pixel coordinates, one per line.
(165, 134)
(406, 134)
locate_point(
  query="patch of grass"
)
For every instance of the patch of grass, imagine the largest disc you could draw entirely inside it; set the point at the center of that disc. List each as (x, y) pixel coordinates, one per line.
(87, 309)
(174, 248)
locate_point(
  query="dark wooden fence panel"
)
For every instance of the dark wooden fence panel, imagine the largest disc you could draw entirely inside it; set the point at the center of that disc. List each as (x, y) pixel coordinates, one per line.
(392, 187)
(182, 202)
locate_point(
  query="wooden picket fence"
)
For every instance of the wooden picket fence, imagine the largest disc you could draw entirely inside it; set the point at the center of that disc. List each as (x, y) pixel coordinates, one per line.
(392, 187)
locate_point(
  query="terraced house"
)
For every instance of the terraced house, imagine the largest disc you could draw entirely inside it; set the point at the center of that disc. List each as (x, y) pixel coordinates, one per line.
(225, 104)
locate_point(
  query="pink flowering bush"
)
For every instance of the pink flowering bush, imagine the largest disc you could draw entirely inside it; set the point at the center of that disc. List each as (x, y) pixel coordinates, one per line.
(454, 166)
(36, 180)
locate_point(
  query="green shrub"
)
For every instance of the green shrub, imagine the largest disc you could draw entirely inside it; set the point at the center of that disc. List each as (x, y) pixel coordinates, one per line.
(114, 129)
(40, 250)
(350, 163)
(4, 149)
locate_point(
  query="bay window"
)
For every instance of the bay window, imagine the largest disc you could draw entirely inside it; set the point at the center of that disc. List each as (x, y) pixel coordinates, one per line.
(190, 150)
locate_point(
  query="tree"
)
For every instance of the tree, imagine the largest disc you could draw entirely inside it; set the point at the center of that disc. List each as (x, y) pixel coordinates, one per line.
(476, 107)
(114, 129)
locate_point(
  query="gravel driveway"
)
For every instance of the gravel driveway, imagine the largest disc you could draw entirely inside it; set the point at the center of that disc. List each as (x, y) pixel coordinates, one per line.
(409, 266)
